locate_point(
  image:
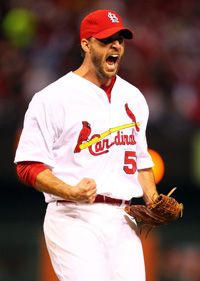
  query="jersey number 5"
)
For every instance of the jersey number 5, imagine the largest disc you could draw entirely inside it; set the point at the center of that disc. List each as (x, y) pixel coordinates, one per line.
(129, 162)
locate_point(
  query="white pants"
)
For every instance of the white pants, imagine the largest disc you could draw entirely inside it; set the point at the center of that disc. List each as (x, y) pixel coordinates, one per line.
(96, 242)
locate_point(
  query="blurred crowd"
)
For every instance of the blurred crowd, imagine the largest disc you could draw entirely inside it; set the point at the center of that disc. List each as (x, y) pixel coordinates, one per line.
(180, 263)
(39, 42)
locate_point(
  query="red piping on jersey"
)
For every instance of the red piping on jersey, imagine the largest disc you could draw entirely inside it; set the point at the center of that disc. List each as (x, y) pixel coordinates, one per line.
(27, 171)
(108, 89)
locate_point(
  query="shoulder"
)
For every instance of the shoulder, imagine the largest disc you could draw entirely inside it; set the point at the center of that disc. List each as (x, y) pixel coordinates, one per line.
(60, 85)
(54, 91)
(130, 90)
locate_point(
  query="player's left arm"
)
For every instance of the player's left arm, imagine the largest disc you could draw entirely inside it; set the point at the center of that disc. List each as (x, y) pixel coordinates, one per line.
(147, 182)
(144, 161)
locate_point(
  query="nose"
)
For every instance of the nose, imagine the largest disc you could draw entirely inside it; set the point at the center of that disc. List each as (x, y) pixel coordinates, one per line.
(116, 44)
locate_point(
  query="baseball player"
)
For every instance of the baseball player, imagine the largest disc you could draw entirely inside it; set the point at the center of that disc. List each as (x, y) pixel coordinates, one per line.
(83, 145)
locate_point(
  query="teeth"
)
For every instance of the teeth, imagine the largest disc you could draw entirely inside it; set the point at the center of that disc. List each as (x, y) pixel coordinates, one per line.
(112, 59)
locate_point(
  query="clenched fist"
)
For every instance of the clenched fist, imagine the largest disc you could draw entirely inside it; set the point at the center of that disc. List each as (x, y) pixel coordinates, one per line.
(84, 191)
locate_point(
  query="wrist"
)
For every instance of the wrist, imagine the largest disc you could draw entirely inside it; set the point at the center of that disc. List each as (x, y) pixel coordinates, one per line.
(150, 198)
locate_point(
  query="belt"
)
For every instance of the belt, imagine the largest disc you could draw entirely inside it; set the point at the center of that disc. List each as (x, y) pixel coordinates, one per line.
(109, 200)
(102, 199)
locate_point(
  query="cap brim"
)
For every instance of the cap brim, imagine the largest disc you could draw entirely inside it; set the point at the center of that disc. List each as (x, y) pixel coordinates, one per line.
(126, 33)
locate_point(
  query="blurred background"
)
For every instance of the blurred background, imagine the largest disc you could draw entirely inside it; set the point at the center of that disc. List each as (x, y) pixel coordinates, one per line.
(39, 42)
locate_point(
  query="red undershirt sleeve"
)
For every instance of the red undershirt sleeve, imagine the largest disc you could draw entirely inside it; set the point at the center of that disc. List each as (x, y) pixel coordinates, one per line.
(27, 171)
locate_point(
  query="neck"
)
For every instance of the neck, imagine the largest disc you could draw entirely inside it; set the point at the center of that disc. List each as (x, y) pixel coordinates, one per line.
(90, 75)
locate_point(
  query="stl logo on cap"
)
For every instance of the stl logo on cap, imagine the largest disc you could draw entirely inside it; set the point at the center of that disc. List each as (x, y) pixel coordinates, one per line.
(113, 17)
(101, 24)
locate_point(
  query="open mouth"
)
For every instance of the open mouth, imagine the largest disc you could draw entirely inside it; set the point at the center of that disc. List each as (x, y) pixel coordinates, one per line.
(112, 59)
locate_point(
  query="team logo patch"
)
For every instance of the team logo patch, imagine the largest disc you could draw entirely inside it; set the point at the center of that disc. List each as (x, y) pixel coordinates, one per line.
(113, 17)
(99, 144)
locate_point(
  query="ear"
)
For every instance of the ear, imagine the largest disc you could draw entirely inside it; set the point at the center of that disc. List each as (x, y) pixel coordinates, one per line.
(85, 45)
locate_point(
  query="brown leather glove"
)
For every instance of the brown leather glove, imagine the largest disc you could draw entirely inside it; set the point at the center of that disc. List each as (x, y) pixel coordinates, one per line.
(163, 210)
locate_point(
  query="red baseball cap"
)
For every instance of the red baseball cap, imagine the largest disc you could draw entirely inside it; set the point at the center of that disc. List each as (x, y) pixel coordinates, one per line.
(101, 24)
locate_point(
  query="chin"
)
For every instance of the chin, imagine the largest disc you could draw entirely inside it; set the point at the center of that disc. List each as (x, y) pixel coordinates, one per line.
(110, 74)
(106, 74)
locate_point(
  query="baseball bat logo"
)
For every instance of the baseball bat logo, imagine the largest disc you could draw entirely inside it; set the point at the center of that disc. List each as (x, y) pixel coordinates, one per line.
(84, 142)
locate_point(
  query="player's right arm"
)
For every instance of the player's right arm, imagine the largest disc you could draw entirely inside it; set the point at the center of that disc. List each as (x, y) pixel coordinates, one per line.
(41, 178)
(38, 136)
(84, 191)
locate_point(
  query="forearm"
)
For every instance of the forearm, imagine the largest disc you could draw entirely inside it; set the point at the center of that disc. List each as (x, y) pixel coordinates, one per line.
(83, 191)
(48, 183)
(147, 182)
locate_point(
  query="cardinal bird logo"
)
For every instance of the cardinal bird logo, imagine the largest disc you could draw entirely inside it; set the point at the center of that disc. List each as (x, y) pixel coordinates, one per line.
(132, 116)
(83, 136)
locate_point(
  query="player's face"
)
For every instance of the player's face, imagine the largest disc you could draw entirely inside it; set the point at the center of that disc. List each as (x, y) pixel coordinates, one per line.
(106, 54)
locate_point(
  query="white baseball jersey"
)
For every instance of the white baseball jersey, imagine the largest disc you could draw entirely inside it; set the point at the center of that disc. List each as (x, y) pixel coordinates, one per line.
(72, 128)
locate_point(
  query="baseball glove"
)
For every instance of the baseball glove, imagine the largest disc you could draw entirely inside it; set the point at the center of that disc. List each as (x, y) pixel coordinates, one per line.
(163, 210)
